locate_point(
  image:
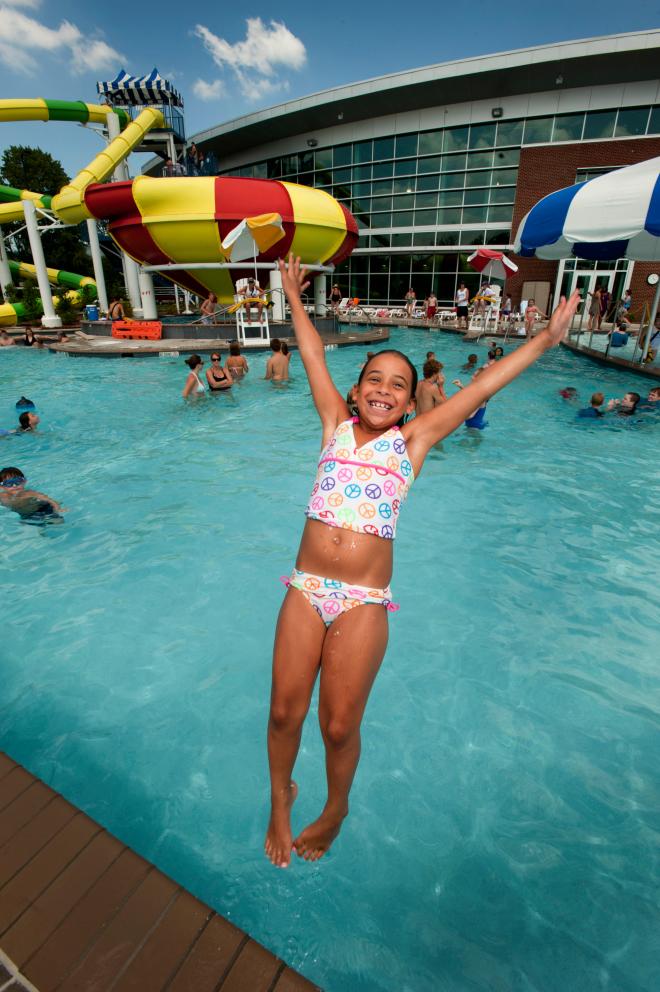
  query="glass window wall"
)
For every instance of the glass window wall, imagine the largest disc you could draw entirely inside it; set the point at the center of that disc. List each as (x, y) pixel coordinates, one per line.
(439, 187)
(631, 122)
(568, 127)
(599, 124)
(537, 130)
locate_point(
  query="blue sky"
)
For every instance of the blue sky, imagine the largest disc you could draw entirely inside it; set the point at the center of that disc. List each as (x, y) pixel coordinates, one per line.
(228, 62)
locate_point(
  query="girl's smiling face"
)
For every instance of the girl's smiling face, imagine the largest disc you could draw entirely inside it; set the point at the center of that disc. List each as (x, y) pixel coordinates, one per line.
(385, 391)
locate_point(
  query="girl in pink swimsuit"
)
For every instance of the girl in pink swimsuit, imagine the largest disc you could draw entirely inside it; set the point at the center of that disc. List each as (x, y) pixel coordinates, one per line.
(334, 618)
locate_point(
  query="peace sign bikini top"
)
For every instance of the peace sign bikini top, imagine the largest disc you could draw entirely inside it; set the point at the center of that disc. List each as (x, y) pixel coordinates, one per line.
(361, 489)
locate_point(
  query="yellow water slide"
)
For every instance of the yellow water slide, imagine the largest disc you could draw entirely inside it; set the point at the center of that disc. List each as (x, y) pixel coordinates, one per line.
(68, 204)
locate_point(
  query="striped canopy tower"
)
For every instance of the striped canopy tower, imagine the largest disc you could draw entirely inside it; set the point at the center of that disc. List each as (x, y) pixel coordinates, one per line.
(139, 91)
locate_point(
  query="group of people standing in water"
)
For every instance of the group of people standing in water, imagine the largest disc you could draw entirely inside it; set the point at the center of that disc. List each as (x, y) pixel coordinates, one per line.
(219, 377)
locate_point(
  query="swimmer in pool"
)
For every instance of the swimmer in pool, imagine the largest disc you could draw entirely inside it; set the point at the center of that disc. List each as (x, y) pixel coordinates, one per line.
(194, 385)
(277, 366)
(27, 422)
(652, 401)
(430, 392)
(217, 378)
(236, 364)
(626, 406)
(334, 617)
(32, 506)
(593, 411)
(476, 420)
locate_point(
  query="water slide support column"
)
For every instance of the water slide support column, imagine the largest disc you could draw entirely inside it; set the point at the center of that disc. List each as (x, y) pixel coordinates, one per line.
(651, 328)
(97, 264)
(147, 295)
(5, 274)
(320, 295)
(50, 318)
(129, 265)
(277, 294)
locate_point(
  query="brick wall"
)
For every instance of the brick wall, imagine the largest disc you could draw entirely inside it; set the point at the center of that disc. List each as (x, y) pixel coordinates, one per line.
(545, 168)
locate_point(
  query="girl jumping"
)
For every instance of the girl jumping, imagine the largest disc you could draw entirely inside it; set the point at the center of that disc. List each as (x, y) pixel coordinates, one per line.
(334, 618)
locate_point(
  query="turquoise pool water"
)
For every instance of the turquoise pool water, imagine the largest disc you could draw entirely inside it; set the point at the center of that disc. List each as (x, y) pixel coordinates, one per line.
(504, 831)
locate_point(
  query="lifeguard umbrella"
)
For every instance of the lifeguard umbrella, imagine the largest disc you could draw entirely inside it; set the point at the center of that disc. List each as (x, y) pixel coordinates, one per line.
(252, 236)
(493, 264)
(616, 215)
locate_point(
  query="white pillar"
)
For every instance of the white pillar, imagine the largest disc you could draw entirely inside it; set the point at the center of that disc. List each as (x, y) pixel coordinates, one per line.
(5, 274)
(277, 294)
(149, 311)
(131, 268)
(97, 264)
(320, 295)
(176, 297)
(654, 312)
(186, 301)
(129, 265)
(50, 318)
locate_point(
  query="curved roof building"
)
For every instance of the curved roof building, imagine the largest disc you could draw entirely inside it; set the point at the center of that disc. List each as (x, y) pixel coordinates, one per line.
(435, 161)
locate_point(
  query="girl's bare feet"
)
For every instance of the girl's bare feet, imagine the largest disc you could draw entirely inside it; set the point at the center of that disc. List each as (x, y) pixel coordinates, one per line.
(315, 839)
(279, 842)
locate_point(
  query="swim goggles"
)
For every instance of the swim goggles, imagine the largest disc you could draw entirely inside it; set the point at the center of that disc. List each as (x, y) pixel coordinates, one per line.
(17, 480)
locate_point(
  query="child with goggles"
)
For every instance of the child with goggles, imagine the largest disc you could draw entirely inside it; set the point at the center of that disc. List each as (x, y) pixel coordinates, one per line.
(32, 507)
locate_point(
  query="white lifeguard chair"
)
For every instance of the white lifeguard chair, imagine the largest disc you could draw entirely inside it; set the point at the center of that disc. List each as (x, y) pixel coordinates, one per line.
(487, 318)
(248, 330)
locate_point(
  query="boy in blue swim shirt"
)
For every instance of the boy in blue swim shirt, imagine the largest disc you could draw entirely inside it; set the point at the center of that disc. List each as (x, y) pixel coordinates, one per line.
(594, 409)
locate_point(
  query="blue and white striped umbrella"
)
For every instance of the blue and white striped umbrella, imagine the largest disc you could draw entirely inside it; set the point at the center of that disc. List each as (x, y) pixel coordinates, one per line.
(616, 215)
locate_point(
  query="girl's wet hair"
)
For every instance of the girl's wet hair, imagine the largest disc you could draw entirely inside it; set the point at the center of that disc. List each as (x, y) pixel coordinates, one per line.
(400, 354)
(193, 361)
(234, 348)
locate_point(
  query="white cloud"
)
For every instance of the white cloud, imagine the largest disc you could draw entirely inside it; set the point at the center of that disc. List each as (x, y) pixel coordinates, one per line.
(30, 4)
(22, 38)
(209, 91)
(254, 61)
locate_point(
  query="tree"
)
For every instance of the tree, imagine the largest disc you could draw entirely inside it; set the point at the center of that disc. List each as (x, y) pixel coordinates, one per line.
(65, 248)
(32, 308)
(31, 168)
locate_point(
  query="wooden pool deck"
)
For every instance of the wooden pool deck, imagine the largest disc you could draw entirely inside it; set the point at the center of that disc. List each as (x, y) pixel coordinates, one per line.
(81, 912)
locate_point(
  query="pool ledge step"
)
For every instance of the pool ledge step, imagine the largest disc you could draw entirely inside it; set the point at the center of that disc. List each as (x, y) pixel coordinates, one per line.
(80, 910)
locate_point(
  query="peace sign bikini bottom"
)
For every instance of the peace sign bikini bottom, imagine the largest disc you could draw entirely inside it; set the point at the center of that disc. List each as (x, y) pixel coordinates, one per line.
(331, 597)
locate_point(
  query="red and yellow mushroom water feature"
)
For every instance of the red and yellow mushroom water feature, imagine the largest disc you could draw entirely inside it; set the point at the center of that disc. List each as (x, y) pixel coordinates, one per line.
(183, 220)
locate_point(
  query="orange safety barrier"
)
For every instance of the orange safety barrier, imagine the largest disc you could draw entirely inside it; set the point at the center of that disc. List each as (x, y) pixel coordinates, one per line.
(151, 330)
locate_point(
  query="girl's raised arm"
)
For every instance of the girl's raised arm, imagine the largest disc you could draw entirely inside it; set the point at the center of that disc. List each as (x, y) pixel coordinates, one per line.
(330, 405)
(429, 428)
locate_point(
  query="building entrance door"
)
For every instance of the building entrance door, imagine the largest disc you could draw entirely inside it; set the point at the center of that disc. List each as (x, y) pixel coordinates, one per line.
(586, 282)
(584, 276)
